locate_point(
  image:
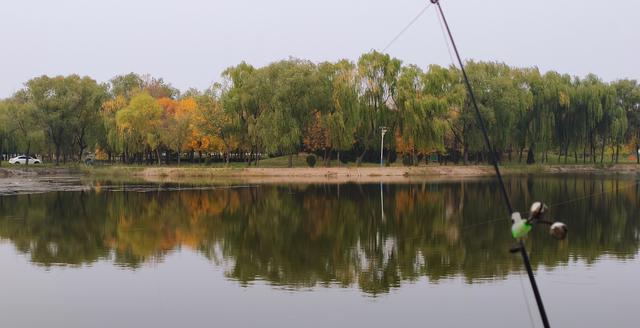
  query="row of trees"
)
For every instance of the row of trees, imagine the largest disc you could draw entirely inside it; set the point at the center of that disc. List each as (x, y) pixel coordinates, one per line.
(335, 109)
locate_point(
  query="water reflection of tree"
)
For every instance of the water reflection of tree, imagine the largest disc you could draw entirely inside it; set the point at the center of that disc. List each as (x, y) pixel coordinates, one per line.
(301, 236)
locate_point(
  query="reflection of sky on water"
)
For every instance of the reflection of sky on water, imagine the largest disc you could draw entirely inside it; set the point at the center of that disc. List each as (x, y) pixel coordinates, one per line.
(187, 290)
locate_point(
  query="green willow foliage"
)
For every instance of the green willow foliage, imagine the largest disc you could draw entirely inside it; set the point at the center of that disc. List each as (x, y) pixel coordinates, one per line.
(336, 110)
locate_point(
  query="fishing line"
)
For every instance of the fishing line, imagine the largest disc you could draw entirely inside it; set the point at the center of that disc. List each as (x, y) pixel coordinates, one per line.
(413, 21)
(592, 195)
(444, 37)
(475, 225)
(526, 299)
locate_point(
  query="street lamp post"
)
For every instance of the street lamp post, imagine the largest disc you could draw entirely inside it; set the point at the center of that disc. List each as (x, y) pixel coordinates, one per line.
(383, 130)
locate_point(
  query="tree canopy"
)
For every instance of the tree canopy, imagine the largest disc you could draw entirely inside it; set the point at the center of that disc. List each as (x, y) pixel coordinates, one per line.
(333, 109)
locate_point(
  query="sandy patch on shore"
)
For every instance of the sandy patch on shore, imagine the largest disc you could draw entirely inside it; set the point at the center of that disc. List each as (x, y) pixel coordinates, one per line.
(364, 175)
(321, 172)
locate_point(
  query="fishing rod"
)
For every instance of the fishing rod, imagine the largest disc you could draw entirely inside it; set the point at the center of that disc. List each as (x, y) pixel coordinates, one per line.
(520, 227)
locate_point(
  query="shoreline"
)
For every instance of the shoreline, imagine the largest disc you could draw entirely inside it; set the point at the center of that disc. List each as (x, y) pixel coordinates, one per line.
(394, 171)
(442, 171)
(45, 179)
(436, 169)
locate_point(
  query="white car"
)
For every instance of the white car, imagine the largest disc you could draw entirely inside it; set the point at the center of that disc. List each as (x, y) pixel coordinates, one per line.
(23, 160)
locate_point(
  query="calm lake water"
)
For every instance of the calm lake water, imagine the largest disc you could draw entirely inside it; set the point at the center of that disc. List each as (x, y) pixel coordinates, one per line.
(424, 254)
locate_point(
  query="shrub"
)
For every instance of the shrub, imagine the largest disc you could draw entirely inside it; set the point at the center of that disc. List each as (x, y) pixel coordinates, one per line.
(406, 160)
(393, 157)
(311, 160)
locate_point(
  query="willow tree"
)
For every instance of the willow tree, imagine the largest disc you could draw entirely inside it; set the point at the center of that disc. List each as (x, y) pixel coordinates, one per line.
(617, 130)
(54, 103)
(628, 98)
(316, 134)
(21, 121)
(5, 127)
(443, 93)
(501, 98)
(335, 98)
(613, 123)
(587, 113)
(462, 120)
(550, 107)
(378, 81)
(126, 86)
(112, 141)
(140, 124)
(342, 120)
(214, 121)
(85, 124)
(557, 96)
(177, 124)
(281, 126)
(409, 103)
(241, 100)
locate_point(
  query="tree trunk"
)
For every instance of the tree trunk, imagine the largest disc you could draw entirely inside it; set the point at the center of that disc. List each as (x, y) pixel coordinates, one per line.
(531, 159)
(290, 163)
(521, 154)
(338, 155)
(388, 162)
(360, 158)
(178, 156)
(546, 155)
(613, 155)
(465, 155)
(158, 154)
(560, 153)
(324, 157)
(27, 153)
(257, 156)
(57, 154)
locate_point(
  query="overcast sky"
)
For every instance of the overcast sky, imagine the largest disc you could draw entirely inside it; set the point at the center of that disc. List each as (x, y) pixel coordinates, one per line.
(190, 42)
